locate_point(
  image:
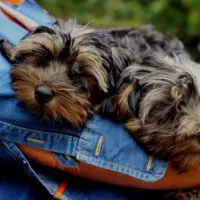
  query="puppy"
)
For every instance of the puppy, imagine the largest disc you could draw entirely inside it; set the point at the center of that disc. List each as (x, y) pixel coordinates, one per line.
(145, 79)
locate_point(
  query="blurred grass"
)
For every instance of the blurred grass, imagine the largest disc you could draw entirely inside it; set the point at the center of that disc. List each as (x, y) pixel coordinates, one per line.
(180, 18)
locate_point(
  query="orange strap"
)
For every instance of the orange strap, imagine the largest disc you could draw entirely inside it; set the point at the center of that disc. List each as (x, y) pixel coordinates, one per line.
(15, 2)
(61, 189)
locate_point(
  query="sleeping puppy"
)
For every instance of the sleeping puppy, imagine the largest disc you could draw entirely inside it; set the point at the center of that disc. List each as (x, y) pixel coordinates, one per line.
(141, 77)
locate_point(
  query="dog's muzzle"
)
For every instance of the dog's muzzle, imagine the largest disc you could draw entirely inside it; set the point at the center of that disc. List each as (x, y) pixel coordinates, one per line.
(43, 94)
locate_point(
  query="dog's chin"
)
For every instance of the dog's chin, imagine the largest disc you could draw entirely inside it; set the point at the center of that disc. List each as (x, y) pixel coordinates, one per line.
(55, 110)
(66, 105)
(76, 113)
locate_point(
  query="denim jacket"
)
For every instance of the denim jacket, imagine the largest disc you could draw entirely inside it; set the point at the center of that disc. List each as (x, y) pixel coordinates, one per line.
(101, 142)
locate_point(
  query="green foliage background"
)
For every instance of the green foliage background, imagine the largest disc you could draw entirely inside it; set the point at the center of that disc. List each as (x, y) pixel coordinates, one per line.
(180, 18)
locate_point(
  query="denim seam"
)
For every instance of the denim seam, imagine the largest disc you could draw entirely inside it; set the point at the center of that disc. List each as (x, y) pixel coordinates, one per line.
(71, 137)
(33, 173)
(36, 131)
(119, 165)
(116, 164)
(17, 160)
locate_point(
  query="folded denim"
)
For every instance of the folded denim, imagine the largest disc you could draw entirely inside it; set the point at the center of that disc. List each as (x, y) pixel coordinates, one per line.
(102, 142)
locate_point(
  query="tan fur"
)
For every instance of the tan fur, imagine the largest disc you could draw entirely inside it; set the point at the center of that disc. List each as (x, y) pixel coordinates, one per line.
(53, 43)
(177, 145)
(122, 99)
(28, 80)
(88, 61)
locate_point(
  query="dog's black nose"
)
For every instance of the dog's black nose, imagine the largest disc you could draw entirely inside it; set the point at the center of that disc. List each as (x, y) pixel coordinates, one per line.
(43, 94)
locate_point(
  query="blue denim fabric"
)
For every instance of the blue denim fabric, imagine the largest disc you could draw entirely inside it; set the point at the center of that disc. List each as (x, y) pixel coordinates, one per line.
(16, 185)
(102, 142)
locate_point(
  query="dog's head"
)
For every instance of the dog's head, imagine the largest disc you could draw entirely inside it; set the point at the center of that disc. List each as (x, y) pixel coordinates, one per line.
(166, 99)
(56, 70)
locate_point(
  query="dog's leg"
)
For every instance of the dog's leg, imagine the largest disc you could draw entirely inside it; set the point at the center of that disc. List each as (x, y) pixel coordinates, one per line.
(123, 104)
(165, 146)
(6, 49)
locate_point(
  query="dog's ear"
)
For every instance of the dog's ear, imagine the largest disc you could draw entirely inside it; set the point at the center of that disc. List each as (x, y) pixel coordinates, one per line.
(89, 70)
(183, 87)
(94, 59)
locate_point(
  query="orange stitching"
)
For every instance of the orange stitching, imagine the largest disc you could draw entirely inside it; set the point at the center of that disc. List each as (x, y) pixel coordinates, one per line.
(61, 189)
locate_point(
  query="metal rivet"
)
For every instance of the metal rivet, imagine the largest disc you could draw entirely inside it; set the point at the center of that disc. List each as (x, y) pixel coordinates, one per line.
(24, 162)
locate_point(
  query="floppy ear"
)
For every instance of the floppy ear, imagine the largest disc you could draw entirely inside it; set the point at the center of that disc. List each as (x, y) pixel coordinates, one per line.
(88, 68)
(182, 88)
